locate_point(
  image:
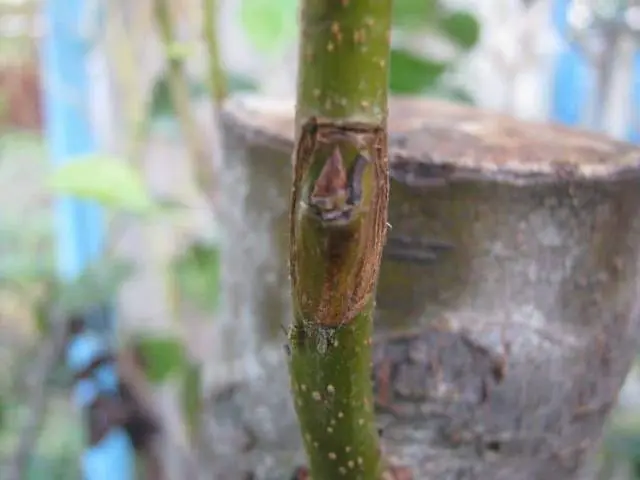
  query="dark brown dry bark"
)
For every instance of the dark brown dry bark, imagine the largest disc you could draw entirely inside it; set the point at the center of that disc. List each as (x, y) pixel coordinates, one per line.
(507, 307)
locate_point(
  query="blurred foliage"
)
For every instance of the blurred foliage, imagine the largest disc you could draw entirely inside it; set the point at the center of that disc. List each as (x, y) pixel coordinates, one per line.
(29, 270)
(414, 14)
(162, 356)
(241, 83)
(27, 264)
(93, 178)
(111, 182)
(410, 72)
(161, 105)
(117, 185)
(622, 444)
(25, 253)
(271, 26)
(425, 22)
(58, 466)
(97, 284)
(56, 453)
(461, 28)
(197, 271)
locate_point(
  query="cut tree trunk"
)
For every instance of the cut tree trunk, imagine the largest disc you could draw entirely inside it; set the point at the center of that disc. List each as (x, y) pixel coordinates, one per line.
(507, 308)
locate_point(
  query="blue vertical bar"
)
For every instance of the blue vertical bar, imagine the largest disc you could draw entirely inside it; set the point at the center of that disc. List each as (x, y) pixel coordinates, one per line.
(79, 226)
(571, 76)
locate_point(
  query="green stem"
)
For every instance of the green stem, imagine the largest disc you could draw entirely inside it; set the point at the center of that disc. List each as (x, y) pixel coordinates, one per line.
(338, 226)
(217, 77)
(344, 57)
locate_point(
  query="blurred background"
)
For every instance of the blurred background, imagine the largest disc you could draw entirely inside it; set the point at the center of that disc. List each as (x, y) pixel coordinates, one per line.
(108, 156)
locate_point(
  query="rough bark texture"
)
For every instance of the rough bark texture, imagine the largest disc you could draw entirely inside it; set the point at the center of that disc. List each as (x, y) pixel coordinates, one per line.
(508, 304)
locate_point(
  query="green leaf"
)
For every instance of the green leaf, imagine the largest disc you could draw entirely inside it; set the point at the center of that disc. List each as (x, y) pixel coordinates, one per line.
(413, 14)
(411, 74)
(462, 28)
(108, 181)
(162, 356)
(197, 273)
(269, 24)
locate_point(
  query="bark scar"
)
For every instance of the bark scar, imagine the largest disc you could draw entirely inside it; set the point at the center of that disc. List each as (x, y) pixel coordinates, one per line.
(338, 218)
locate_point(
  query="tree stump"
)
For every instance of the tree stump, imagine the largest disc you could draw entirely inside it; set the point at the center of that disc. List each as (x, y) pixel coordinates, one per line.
(508, 305)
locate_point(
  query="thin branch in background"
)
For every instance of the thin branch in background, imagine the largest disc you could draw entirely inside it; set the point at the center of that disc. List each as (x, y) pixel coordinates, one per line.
(45, 364)
(179, 90)
(201, 153)
(120, 46)
(217, 77)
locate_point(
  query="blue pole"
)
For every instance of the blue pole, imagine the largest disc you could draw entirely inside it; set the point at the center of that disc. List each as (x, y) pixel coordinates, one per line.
(571, 77)
(569, 89)
(79, 226)
(573, 82)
